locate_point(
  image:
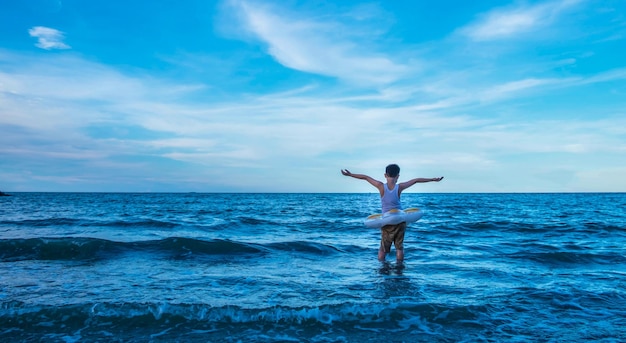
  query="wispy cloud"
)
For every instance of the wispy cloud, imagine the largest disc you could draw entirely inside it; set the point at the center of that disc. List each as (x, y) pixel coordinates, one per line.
(516, 88)
(48, 38)
(317, 46)
(267, 136)
(217, 120)
(509, 22)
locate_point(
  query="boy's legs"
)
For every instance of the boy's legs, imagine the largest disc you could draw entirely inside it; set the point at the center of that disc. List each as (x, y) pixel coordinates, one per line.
(381, 253)
(392, 234)
(398, 242)
(400, 255)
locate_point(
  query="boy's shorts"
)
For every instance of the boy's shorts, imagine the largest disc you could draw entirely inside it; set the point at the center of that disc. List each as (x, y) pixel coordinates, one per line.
(392, 234)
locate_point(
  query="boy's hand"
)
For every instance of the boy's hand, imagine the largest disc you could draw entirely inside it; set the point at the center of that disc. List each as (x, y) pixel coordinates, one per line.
(437, 179)
(346, 172)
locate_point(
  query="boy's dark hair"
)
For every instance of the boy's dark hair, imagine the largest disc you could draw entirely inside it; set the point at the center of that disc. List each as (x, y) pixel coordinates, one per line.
(392, 170)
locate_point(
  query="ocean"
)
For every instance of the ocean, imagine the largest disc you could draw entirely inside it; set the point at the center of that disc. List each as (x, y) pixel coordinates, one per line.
(194, 267)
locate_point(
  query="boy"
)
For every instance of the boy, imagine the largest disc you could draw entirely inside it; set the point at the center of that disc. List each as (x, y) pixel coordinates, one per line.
(390, 199)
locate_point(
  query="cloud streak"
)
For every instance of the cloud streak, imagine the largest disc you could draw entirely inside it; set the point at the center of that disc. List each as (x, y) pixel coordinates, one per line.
(466, 113)
(511, 22)
(48, 38)
(277, 132)
(318, 47)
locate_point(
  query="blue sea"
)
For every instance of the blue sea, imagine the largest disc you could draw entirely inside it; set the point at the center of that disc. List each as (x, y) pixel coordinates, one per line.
(192, 267)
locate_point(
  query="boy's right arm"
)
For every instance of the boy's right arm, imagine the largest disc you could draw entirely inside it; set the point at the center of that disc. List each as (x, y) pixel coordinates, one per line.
(407, 184)
(372, 181)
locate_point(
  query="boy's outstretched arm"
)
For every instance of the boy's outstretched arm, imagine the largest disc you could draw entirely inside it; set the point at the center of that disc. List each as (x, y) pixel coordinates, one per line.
(372, 181)
(407, 184)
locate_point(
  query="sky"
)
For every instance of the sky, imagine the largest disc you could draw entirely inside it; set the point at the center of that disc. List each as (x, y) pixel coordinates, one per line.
(279, 96)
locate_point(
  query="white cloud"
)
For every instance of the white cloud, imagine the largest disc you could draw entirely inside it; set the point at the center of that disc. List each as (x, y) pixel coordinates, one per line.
(318, 47)
(607, 76)
(601, 179)
(445, 122)
(48, 38)
(282, 138)
(515, 88)
(510, 22)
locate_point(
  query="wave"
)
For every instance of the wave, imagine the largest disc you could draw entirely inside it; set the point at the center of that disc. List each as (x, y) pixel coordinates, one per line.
(85, 249)
(459, 228)
(350, 321)
(80, 248)
(569, 258)
(148, 223)
(596, 227)
(78, 222)
(118, 319)
(465, 228)
(60, 221)
(305, 247)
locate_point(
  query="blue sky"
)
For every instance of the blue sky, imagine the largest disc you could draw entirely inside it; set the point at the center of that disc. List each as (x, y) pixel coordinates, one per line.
(278, 96)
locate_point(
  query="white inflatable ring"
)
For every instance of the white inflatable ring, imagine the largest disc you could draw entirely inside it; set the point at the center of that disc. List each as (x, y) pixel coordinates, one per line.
(393, 217)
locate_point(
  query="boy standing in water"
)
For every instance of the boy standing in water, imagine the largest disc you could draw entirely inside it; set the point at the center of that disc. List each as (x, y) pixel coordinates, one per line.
(390, 199)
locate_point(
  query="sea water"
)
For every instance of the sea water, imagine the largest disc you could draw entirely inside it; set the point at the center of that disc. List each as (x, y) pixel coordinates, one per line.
(83, 267)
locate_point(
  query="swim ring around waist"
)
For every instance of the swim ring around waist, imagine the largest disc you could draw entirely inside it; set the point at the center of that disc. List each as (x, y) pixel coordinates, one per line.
(393, 217)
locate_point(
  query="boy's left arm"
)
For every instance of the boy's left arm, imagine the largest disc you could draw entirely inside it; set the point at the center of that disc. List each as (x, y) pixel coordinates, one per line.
(407, 184)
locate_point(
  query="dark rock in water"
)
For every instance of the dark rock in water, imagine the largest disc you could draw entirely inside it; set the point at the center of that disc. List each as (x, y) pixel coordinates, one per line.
(3, 194)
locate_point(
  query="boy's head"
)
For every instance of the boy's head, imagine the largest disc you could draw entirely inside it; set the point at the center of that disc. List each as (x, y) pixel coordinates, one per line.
(392, 170)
